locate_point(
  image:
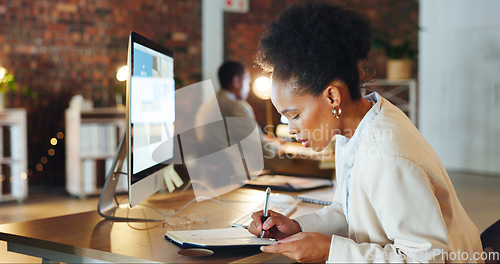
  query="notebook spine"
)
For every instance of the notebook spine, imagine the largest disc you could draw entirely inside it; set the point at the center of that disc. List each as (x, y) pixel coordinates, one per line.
(315, 201)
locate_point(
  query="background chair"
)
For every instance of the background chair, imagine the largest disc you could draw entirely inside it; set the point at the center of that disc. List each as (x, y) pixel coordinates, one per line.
(490, 238)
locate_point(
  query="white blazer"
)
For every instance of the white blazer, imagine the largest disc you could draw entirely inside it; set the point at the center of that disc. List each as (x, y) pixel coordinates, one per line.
(402, 204)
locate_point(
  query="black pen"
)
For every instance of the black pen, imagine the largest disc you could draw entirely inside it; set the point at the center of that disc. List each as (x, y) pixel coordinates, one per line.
(266, 213)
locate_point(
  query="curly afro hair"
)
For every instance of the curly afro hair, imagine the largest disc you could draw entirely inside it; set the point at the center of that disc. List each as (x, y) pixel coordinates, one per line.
(315, 43)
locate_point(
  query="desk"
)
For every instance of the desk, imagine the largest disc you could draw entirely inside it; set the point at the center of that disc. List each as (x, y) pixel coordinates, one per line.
(87, 237)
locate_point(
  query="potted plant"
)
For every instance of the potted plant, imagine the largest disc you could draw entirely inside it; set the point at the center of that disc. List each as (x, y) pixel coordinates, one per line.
(7, 84)
(399, 51)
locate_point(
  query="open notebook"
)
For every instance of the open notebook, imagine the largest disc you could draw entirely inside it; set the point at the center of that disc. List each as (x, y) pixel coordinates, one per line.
(322, 196)
(214, 238)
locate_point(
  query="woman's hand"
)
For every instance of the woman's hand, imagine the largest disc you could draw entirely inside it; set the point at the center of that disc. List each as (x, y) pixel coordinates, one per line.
(304, 247)
(276, 226)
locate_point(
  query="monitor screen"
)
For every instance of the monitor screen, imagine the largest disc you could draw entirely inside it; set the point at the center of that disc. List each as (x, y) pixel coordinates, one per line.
(150, 115)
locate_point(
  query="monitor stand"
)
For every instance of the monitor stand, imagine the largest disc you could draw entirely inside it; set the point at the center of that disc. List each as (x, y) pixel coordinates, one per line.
(108, 206)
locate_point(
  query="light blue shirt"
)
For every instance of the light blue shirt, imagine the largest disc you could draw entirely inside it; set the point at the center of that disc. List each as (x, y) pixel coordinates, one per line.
(346, 149)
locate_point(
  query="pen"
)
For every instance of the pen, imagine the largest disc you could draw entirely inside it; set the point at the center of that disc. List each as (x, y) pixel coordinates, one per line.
(266, 213)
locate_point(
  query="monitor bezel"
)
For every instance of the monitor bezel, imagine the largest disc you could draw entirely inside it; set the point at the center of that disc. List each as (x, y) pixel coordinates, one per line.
(136, 196)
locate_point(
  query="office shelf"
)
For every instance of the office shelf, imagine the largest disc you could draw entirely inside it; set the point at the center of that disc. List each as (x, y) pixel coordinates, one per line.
(13, 155)
(402, 93)
(91, 143)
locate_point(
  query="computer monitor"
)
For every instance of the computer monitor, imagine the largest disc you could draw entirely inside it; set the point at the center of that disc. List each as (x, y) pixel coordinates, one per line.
(150, 116)
(147, 145)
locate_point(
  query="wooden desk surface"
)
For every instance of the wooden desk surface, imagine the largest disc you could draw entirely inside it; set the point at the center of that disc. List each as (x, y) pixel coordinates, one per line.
(88, 235)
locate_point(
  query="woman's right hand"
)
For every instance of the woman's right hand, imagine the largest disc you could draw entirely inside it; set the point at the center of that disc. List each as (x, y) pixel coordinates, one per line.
(276, 226)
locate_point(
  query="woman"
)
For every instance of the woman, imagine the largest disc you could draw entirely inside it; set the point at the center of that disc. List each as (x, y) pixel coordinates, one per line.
(394, 200)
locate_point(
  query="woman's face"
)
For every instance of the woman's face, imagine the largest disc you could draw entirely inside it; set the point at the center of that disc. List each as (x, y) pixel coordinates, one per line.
(309, 117)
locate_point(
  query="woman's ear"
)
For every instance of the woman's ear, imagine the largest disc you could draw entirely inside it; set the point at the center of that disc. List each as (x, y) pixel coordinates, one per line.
(332, 94)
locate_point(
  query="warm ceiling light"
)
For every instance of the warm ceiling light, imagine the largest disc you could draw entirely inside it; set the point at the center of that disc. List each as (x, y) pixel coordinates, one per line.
(262, 88)
(3, 71)
(283, 119)
(122, 73)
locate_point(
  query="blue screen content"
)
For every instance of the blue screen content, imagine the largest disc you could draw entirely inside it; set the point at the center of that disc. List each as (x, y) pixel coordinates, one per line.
(152, 108)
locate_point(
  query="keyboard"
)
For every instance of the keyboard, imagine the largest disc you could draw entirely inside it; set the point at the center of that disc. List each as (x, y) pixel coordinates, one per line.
(285, 209)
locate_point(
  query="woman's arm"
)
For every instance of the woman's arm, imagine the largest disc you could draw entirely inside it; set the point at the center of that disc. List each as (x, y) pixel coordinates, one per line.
(329, 220)
(406, 208)
(303, 247)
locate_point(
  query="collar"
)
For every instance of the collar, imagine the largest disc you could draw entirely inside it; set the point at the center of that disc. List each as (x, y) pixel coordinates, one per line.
(347, 147)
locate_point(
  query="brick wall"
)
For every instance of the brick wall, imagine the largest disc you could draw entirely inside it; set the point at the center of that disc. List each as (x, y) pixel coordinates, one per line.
(68, 47)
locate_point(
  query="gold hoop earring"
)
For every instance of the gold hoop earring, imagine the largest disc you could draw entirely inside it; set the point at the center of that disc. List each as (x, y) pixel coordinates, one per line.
(336, 112)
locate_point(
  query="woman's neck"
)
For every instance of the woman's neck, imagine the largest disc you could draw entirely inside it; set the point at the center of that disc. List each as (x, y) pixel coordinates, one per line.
(353, 114)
